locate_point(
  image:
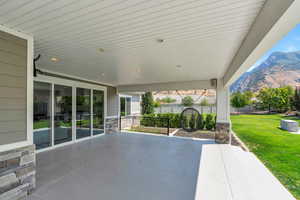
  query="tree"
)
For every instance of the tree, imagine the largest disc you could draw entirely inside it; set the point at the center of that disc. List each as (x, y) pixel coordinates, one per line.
(147, 103)
(200, 122)
(238, 100)
(156, 104)
(187, 101)
(267, 98)
(278, 99)
(296, 99)
(248, 95)
(204, 102)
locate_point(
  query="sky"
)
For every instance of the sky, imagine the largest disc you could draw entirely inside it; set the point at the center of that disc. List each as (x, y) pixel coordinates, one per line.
(291, 42)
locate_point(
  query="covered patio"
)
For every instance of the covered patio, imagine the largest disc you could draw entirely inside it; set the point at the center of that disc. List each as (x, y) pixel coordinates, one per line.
(64, 65)
(121, 166)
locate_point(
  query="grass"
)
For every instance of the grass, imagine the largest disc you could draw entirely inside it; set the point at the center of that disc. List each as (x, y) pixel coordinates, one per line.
(41, 124)
(279, 150)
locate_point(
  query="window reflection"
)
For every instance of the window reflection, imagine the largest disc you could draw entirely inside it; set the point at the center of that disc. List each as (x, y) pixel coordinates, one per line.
(42, 115)
(83, 113)
(98, 110)
(63, 114)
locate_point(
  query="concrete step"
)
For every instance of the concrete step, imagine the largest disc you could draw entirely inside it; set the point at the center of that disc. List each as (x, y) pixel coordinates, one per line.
(245, 176)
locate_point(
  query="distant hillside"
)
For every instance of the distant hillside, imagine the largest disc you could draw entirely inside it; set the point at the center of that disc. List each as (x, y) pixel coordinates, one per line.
(279, 69)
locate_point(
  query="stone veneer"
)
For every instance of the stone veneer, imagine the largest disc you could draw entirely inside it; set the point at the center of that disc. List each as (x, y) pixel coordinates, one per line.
(17, 173)
(111, 125)
(222, 135)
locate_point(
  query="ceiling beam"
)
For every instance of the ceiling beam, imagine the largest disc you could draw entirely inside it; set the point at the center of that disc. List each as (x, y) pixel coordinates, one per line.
(186, 85)
(276, 19)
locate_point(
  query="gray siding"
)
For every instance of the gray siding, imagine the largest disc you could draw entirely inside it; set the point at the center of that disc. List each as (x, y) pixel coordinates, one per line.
(112, 101)
(13, 86)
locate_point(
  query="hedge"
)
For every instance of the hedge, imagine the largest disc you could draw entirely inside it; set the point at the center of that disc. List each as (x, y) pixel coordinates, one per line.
(201, 121)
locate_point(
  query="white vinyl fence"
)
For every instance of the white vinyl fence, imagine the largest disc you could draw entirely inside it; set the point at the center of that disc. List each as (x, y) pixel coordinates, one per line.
(178, 108)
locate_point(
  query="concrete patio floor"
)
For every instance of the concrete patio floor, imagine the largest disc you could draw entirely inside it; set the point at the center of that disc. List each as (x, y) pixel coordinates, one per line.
(120, 166)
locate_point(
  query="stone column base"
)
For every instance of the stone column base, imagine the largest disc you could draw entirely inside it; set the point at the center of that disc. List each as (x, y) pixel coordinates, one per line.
(111, 125)
(223, 134)
(17, 172)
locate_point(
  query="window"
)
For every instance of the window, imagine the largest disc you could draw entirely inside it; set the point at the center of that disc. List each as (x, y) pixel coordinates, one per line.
(62, 114)
(42, 115)
(83, 113)
(125, 106)
(98, 112)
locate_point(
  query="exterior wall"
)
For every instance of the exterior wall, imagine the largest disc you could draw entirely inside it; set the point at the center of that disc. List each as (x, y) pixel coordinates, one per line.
(136, 104)
(112, 102)
(17, 154)
(17, 173)
(13, 88)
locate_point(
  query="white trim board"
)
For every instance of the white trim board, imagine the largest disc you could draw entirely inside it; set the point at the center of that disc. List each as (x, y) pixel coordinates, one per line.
(29, 99)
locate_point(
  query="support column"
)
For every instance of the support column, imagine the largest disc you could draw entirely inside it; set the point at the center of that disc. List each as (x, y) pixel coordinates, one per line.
(112, 118)
(223, 125)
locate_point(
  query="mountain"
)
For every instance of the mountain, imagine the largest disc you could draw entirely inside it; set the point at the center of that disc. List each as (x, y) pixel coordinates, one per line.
(279, 69)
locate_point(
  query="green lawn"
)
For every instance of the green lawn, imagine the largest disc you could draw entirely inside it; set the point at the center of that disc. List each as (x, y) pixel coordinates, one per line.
(279, 150)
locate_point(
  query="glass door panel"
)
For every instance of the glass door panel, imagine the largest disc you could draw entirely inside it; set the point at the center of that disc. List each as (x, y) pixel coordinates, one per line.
(83, 113)
(42, 115)
(98, 112)
(62, 114)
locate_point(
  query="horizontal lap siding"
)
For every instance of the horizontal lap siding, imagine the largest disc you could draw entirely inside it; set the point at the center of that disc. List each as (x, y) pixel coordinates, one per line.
(13, 88)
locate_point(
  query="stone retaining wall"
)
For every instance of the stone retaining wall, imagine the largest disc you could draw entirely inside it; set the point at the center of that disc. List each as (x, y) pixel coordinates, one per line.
(17, 173)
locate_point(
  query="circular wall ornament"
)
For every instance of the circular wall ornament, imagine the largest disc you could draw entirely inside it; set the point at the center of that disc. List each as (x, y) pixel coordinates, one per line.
(189, 118)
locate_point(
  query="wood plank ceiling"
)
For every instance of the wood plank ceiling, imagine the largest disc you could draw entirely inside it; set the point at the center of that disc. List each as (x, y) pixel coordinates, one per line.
(116, 41)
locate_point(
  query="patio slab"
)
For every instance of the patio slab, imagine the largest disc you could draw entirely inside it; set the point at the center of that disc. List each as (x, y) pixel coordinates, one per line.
(121, 166)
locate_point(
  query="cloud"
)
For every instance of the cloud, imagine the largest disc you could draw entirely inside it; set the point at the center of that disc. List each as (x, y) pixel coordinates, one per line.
(290, 48)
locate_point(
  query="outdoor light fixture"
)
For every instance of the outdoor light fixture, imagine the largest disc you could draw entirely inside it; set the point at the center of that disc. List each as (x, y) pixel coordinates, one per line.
(159, 40)
(54, 59)
(178, 66)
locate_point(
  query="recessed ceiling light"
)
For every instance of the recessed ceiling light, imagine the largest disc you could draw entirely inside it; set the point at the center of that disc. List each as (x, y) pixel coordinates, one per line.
(102, 74)
(178, 66)
(160, 40)
(54, 59)
(101, 50)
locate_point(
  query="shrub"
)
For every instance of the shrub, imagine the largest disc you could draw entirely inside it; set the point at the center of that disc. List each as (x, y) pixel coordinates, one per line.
(175, 121)
(200, 122)
(209, 122)
(187, 101)
(148, 120)
(192, 121)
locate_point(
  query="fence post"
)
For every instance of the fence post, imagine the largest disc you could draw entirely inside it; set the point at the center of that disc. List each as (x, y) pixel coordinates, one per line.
(168, 126)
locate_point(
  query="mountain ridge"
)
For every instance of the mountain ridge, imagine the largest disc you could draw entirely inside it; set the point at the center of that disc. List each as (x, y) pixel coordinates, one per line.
(279, 69)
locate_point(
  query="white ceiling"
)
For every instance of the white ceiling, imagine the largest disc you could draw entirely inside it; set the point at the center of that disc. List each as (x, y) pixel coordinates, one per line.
(200, 35)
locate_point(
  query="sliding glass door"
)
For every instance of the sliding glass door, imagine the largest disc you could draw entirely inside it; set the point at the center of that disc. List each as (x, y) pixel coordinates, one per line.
(65, 113)
(98, 112)
(42, 115)
(83, 113)
(62, 114)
